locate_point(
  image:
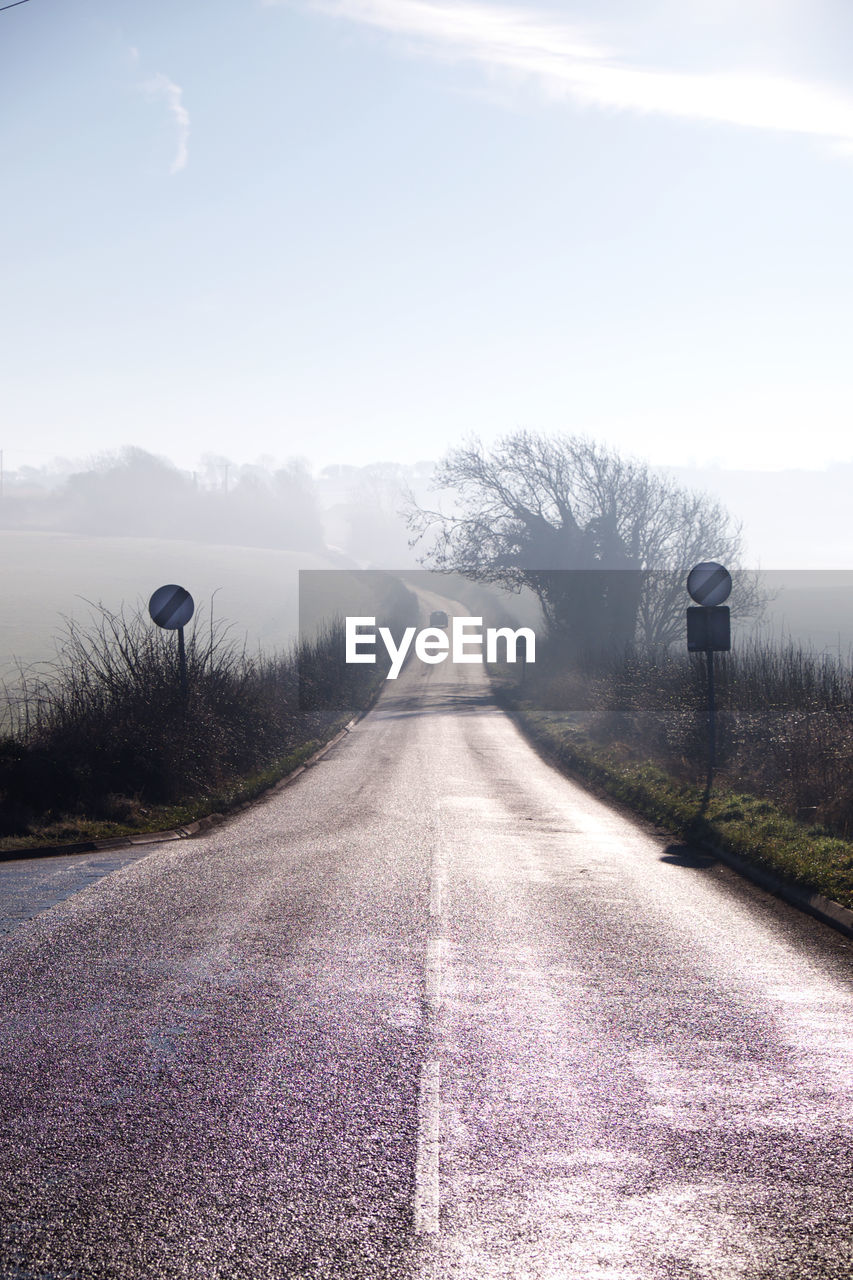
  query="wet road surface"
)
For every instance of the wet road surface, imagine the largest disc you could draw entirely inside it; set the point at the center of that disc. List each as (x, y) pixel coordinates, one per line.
(31, 885)
(432, 1011)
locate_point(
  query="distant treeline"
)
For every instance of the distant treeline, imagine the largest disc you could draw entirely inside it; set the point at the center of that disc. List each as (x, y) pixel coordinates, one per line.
(135, 494)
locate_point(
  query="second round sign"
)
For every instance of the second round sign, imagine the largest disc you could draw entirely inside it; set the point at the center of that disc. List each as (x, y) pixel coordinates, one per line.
(171, 607)
(709, 583)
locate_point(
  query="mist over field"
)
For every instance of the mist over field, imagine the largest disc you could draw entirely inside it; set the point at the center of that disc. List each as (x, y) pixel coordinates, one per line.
(108, 532)
(235, 536)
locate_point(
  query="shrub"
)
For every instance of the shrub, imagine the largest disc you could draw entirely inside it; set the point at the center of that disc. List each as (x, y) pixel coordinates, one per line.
(109, 725)
(784, 719)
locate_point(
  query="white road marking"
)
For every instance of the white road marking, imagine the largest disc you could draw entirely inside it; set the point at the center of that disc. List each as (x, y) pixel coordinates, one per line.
(437, 882)
(435, 953)
(427, 1198)
(426, 1161)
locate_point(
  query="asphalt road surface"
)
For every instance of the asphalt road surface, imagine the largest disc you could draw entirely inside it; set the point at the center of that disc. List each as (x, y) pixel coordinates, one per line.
(432, 1011)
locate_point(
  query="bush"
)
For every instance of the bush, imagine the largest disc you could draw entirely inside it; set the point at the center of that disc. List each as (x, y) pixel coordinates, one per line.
(784, 720)
(110, 726)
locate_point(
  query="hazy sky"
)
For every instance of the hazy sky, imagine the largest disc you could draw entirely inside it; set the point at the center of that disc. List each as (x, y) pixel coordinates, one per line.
(362, 229)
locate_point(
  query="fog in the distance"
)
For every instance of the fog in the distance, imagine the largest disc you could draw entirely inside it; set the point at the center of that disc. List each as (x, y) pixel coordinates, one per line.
(77, 534)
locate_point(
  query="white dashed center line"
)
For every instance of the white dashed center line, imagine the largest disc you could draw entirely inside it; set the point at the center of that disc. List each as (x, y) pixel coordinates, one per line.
(429, 1086)
(426, 1163)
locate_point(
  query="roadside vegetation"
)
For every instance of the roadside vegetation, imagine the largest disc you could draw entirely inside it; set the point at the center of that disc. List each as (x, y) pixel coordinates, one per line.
(108, 740)
(605, 542)
(636, 726)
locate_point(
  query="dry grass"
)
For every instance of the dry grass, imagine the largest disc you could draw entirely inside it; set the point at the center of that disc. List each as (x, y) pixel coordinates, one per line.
(108, 731)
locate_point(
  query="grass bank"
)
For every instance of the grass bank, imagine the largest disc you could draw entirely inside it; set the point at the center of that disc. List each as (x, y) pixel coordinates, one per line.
(111, 741)
(137, 818)
(636, 734)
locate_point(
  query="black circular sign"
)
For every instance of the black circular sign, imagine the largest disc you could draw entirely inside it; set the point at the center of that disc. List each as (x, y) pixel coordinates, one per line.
(709, 583)
(171, 607)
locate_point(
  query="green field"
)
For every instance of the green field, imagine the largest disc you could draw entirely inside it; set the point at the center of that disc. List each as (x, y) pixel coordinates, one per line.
(44, 576)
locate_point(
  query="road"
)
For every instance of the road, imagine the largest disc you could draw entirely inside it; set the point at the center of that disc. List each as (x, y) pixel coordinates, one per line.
(432, 1011)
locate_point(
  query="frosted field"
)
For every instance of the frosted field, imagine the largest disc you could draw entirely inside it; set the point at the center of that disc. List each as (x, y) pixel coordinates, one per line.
(46, 575)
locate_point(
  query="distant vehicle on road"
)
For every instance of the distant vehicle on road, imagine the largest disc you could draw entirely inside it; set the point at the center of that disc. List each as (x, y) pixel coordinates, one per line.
(438, 618)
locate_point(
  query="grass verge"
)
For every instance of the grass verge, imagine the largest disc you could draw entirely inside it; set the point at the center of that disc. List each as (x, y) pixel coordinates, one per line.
(165, 817)
(755, 829)
(114, 740)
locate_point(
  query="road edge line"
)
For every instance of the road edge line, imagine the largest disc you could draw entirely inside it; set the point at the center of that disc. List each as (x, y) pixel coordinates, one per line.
(827, 910)
(189, 829)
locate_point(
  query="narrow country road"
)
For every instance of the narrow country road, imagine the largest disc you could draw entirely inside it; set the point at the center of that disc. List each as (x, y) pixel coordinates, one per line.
(432, 1011)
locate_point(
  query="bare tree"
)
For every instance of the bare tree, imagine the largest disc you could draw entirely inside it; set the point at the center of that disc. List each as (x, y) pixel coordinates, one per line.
(537, 506)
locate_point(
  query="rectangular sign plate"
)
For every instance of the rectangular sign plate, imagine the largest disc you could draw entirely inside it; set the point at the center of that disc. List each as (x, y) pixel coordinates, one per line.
(708, 628)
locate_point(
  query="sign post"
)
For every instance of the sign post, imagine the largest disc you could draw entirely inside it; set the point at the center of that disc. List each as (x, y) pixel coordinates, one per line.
(171, 607)
(709, 632)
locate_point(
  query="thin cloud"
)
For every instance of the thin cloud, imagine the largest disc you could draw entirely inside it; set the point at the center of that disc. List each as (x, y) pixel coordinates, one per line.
(161, 86)
(482, 31)
(571, 67)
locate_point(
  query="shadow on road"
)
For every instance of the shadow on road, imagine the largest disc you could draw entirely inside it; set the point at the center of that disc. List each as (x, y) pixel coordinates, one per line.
(403, 706)
(686, 855)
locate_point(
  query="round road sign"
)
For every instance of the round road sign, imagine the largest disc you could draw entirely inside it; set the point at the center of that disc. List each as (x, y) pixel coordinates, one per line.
(171, 607)
(709, 583)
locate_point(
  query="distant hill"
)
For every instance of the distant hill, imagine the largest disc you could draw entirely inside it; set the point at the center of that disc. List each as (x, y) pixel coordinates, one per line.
(811, 607)
(46, 575)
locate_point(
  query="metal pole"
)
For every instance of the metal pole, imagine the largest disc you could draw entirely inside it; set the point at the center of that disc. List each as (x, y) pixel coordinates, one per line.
(712, 727)
(182, 661)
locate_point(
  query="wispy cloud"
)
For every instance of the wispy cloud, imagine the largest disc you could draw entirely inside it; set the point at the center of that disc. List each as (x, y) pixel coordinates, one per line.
(160, 86)
(568, 65)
